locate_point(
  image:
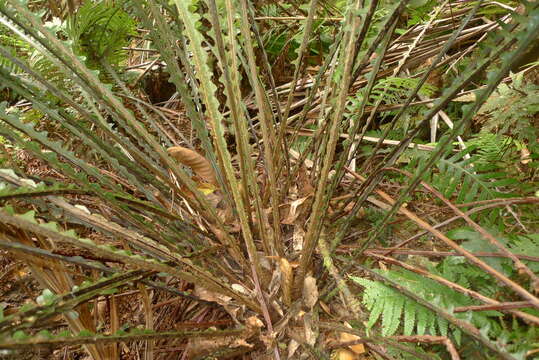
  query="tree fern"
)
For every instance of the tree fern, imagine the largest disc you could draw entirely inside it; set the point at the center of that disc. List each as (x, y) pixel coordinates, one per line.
(34, 190)
(150, 204)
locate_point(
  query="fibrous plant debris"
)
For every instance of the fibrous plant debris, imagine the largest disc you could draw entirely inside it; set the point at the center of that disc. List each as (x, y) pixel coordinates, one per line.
(345, 214)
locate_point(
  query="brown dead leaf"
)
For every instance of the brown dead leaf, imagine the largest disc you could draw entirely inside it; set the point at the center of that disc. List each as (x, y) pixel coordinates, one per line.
(292, 347)
(343, 354)
(101, 309)
(230, 307)
(254, 322)
(525, 156)
(293, 213)
(287, 280)
(197, 347)
(326, 308)
(305, 188)
(297, 238)
(275, 282)
(310, 333)
(241, 289)
(268, 340)
(241, 342)
(201, 347)
(253, 326)
(201, 167)
(277, 308)
(346, 337)
(310, 292)
(465, 98)
(207, 295)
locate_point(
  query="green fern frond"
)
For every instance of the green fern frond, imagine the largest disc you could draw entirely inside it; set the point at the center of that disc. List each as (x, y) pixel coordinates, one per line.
(493, 150)
(513, 107)
(100, 30)
(392, 314)
(396, 309)
(36, 60)
(15, 46)
(379, 298)
(459, 179)
(269, 10)
(527, 244)
(391, 90)
(458, 270)
(474, 242)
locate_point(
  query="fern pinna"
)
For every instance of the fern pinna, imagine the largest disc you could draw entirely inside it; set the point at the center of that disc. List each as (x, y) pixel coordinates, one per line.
(398, 311)
(463, 177)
